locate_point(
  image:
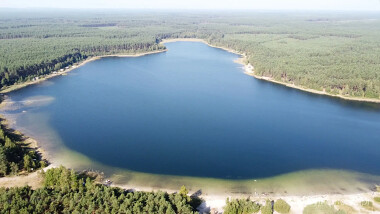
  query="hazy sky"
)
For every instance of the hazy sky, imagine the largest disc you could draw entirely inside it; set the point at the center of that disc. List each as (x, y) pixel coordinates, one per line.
(200, 4)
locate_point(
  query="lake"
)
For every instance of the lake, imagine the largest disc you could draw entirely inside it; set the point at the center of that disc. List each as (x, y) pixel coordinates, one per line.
(191, 111)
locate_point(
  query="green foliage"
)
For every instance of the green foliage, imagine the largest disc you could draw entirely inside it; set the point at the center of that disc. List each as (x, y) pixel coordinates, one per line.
(183, 191)
(267, 209)
(376, 199)
(344, 208)
(16, 157)
(281, 206)
(367, 205)
(65, 191)
(321, 208)
(241, 206)
(337, 53)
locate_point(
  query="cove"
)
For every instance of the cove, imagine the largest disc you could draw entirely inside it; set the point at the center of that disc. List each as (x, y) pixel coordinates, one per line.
(191, 111)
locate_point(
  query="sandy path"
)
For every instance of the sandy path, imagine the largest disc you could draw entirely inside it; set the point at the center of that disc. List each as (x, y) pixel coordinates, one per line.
(32, 179)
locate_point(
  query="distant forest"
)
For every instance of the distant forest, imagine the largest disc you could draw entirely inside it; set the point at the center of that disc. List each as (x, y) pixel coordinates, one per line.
(334, 52)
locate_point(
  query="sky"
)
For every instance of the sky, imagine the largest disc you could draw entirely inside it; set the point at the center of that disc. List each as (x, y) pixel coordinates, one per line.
(373, 5)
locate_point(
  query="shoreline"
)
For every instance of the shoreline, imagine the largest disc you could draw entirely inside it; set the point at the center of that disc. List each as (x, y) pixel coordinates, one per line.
(203, 41)
(51, 75)
(249, 70)
(29, 141)
(215, 201)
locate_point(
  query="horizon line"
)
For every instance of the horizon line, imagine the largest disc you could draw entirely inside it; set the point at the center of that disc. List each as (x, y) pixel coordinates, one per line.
(194, 9)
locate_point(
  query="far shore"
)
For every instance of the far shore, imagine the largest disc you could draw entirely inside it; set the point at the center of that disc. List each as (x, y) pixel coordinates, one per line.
(51, 75)
(249, 70)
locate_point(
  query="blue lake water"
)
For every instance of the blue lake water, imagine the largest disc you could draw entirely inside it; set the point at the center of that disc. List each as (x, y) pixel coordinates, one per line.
(191, 111)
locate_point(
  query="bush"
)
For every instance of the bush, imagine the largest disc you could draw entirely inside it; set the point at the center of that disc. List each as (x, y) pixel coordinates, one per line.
(267, 209)
(320, 208)
(281, 206)
(368, 205)
(344, 207)
(376, 199)
(241, 206)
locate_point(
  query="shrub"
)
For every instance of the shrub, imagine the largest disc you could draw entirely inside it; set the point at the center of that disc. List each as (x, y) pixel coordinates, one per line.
(281, 206)
(368, 205)
(267, 209)
(376, 199)
(344, 207)
(241, 206)
(320, 208)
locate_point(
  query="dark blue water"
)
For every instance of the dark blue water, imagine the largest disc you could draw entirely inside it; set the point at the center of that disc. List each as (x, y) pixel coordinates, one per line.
(191, 111)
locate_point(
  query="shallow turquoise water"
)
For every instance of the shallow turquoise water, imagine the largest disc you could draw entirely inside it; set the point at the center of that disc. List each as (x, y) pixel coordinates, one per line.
(191, 111)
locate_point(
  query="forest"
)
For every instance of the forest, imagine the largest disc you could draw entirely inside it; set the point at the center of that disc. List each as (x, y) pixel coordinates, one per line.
(15, 155)
(332, 52)
(66, 191)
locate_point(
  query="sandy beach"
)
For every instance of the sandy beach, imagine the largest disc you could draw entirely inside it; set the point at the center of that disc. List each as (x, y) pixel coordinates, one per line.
(216, 202)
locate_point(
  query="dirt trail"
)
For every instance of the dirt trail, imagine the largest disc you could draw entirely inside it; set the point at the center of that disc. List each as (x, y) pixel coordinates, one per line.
(32, 179)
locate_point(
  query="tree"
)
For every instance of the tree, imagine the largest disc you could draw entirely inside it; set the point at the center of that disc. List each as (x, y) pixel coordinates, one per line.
(13, 168)
(3, 162)
(183, 191)
(28, 163)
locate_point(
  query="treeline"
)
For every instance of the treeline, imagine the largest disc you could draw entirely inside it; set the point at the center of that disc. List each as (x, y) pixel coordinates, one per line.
(16, 156)
(65, 191)
(33, 45)
(26, 73)
(37, 57)
(336, 53)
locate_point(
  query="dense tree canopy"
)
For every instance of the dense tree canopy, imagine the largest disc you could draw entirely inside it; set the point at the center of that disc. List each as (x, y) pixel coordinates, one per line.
(65, 191)
(15, 155)
(336, 53)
